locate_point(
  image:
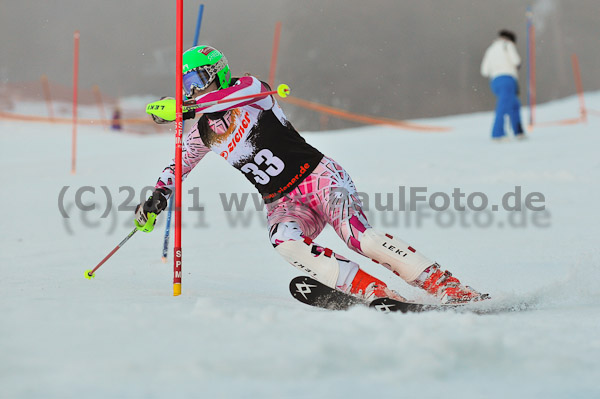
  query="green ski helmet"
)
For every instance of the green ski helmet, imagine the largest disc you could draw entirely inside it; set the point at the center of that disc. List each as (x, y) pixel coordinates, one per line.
(201, 65)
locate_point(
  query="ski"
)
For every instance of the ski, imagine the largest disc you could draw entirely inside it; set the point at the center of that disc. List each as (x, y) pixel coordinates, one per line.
(389, 305)
(311, 292)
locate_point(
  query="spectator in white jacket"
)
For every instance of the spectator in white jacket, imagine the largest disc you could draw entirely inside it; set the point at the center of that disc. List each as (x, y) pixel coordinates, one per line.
(500, 64)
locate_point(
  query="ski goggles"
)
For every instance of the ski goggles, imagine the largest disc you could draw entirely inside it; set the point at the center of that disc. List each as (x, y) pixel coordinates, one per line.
(198, 78)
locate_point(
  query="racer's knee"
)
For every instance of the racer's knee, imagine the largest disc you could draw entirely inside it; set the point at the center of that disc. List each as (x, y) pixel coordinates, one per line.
(285, 231)
(358, 225)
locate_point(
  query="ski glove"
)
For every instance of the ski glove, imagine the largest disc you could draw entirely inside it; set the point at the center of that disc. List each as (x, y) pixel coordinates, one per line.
(146, 212)
(164, 110)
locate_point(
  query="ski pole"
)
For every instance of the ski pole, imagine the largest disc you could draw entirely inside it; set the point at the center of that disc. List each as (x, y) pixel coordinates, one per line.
(283, 91)
(165, 108)
(167, 231)
(90, 273)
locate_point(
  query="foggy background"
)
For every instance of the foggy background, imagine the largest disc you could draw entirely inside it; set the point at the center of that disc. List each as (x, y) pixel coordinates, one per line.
(394, 59)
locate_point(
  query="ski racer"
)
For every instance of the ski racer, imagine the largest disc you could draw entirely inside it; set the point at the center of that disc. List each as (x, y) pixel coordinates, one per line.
(303, 190)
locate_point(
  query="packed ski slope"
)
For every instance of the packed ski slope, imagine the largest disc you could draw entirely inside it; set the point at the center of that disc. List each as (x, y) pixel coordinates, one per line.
(236, 331)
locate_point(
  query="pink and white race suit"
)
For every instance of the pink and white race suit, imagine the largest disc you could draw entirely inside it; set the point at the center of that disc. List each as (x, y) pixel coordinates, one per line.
(303, 190)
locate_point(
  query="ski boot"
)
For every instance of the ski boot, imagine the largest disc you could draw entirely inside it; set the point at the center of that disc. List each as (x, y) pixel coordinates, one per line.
(369, 288)
(448, 289)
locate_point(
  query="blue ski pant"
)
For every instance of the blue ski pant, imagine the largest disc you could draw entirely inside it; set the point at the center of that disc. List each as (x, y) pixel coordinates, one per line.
(504, 88)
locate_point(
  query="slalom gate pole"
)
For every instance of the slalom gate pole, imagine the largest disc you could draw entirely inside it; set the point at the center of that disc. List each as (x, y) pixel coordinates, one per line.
(274, 53)
(75, 89)
(90, 273)
(532, 87)
(178, 148)
(198, 24)
(170, 212)
(197, 33)
(529, 15)
(579, 87)
(48, 96)
(167, 231)
(100, 103)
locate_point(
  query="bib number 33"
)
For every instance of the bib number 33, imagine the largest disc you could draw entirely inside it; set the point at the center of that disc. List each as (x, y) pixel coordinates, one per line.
(274, 166)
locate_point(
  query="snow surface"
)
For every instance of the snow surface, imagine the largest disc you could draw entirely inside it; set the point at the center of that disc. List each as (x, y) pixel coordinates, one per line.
(236, 332)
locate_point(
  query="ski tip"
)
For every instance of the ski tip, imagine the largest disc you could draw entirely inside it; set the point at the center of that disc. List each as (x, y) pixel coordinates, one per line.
(89, 275)
(164, 259)
(283, 90)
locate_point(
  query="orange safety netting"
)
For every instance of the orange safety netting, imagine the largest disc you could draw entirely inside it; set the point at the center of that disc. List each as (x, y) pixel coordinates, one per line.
(368, 120)
(53, 93)
(58, 100)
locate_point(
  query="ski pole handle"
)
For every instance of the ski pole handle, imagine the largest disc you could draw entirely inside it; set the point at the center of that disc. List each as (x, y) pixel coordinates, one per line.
(90, 273)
